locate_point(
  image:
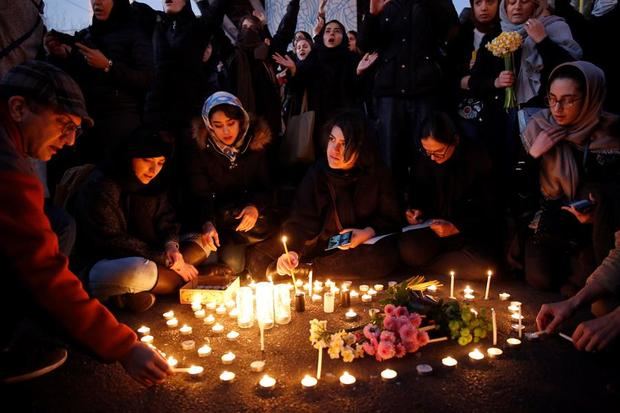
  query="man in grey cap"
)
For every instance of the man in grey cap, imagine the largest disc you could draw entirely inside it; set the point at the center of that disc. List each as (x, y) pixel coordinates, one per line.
(41, 110)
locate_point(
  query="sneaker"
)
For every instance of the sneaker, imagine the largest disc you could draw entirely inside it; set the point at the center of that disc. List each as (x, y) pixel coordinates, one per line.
(137, 303)
(27, 364)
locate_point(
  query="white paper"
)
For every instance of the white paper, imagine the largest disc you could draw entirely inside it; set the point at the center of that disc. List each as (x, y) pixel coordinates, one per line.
(374, 240)
(424, 224)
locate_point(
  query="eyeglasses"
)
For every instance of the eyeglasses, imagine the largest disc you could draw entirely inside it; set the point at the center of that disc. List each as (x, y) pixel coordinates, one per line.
(69, 128)
(436, 154)
(565, 102)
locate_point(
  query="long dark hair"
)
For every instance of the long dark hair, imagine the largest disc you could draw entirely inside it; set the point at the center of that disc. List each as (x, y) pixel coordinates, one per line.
(357, 136)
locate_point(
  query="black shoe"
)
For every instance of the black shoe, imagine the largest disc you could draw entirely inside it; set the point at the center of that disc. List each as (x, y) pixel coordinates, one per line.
(27, 363)
(137, 303)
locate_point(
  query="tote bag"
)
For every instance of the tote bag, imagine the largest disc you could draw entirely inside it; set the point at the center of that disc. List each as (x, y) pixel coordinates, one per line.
(298, 145)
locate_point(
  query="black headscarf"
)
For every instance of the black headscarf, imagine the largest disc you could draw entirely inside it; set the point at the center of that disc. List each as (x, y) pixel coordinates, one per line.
(120, 14)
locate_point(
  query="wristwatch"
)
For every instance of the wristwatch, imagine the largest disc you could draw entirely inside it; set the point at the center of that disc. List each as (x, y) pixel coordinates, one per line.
(107, 69)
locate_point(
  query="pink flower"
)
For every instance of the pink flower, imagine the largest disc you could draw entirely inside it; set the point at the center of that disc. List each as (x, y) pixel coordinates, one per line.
(390, 323)
(401, 311)
(407, 333)
(411, 346)
(403, 321)
(415, 319)
(386, 350)
(389, 309)
(422, 338)
(369, 348)
(400, 350)
(388, 336)
(371, 331)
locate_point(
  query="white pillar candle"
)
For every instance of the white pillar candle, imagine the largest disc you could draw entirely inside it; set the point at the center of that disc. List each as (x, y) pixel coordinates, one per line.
(168, 315)
(204, 351)
(228, 357)
(308, 382)
(449, 361)
(282, 304)
(227, 376)
(245, 306)
(388, 374)
(328, 302)
(494, 321)
(486, 291)
(267, 382)
(452, 284)
(185, 330)
(347, 379)
(208, 320)
(188, 345)
(172, 323)
(264, 304)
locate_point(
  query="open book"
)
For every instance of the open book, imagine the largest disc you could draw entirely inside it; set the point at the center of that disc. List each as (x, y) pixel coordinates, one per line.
(427, 223)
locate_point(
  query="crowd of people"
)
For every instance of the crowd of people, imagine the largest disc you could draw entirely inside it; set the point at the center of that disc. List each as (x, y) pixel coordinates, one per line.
(180, 172)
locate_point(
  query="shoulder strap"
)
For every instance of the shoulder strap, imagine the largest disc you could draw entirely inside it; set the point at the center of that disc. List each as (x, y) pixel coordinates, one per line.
(15, 43)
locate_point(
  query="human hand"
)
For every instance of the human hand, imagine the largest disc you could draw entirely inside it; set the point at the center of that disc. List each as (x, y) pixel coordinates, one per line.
(174, 258)
(366, 62)
(545, 140)
(444, 228)
(248, 217)
(552, 315)
(55, 47)
(584, 217)
(377, 6)
(465, 82)
(210, 237)
(599, 333)
(414, 216)
(286, 62)
(94, 57)
(186, 271)
(287, 263)
(358, 236)
(505, 79)
(145, 365)
(320, 22)
(322, 5)
(535, 29)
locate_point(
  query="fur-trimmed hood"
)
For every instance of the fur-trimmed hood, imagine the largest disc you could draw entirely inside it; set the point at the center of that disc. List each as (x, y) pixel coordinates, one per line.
(258, 134)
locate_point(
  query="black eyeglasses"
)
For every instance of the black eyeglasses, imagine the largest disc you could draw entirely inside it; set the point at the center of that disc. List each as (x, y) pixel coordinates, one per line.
(69, 128)
(436, 154)
(565, 102)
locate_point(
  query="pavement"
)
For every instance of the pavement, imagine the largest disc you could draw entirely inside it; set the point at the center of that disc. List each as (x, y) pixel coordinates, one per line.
(547, 375)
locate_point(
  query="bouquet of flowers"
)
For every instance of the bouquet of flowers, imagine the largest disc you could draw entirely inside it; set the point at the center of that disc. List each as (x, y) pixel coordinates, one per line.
(504, 46)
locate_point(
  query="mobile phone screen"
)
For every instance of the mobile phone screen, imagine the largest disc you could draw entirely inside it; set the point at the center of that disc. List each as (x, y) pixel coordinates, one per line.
(339, 240)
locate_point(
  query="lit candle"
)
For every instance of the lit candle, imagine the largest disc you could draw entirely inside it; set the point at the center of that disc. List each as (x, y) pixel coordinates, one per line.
(346, 285)
(372, 292)
(188, 345)
(468, 290)
(364, 288)
(196, 305)
(267, 382)
(144, 330)
(494, 320)
(308, 382)
(329, 284)
(452, 284)
(261, 329)
(284, 239)
(354, 294)
(204, 351)
(228, 358)
(392, 284)
(185, 330)
(210, 319)
(329, 302)
(300, 283)
(148, 339)
(227, 376)
(195, 371)
(230, 304)
(316, 298)
(245, 306)
(366, 298)
(172, 323)
(350, 315)
(388, 374)
(234, 313)
(516, 316)
(168, 315)
(347, 379)
(504, 296)
(432, 289)
(520, 325)
(217, 328)
(310, 284)
(319, 364)
(486, 292)
(513, 342)
(221, 309)
(379, 287)
(172, 362)
(468, 297)
(200, 313)
(494, 352)
(476, 355)
(449, 361)
(468, 293)
(317, 286)
(257, 366)
(232, 335)
(211, 305)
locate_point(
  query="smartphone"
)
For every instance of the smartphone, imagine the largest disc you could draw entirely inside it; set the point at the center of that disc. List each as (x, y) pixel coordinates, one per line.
(339, 240)
(582, 205)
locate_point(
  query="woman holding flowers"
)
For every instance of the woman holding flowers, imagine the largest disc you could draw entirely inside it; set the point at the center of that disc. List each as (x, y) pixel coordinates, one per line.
(577, 148)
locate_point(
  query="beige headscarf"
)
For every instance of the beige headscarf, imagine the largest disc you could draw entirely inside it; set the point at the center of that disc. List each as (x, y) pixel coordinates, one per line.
(559, 174)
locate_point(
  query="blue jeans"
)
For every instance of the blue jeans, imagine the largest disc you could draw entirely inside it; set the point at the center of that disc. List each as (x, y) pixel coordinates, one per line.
(122, 276)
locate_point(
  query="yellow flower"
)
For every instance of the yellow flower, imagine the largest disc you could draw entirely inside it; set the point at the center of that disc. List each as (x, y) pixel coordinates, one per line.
(347, 354)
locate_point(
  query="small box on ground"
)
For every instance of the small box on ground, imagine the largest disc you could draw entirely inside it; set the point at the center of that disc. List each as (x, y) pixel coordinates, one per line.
(204, 289)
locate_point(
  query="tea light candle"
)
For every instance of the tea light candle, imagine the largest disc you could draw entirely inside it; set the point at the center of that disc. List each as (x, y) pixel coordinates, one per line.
(516, 316)
(504, 296)
(227, 376)
(392, 284)
(232, 335)
(513, 342)
(346, 285)
(257, 366)
(211, 305)
(200, 313)
(468, 297)
(221, 309)
(329, 284)
(372, 292)
(468, 290)
(308, 382)
(228, 358)
(196, 306)
(494, 352)
(233, 313)
(148, 339)
(168, 315)
(347, 379)
(364, 288)
(172, 323)
(217, 328)
(204, 351)
(424, 369)
(449, 361)
(144, 330)
(350, 315)
(185, 330)
(188, 345)
(172, 362)
(366, 298)
(230, 304)
(432, 289)
(267, 382)
(354, 294)
(476, 355)
(329, 302)
(316, 298)
(379, 287)
(388, 374)
(210, 319)
(195, 371)
(300, 283)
